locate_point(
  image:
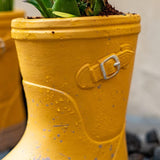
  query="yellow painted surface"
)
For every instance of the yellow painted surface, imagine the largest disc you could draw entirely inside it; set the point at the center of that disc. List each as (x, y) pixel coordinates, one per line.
(69, 118)
(12, 110)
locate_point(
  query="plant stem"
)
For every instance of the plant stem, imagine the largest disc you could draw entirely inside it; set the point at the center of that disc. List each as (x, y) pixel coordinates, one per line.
(6, 5)
(44, 8)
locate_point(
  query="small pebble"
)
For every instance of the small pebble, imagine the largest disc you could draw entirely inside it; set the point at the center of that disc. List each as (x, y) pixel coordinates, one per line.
(148, 149)
(136, 156)
(133, 143)
(152, 137)
(157, 154)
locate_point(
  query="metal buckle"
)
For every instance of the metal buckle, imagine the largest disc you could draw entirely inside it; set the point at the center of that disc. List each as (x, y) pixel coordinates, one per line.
(116, 64)
(2, 46)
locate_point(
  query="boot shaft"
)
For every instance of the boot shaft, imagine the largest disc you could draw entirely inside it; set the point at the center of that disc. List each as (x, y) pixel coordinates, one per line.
(53, 52)
(76, 74)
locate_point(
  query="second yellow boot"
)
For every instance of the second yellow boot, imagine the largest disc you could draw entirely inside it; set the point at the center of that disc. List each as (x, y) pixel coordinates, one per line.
(12, 107)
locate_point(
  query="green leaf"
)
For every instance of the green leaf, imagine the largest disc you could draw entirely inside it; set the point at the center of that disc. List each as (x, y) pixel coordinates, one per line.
(98, 7)
(82, 6)
(48, 3)
(44, 6)
(67, 6)
(35, 3)
(92, 3)
(70, 7)
(6, 5)
(62, 14)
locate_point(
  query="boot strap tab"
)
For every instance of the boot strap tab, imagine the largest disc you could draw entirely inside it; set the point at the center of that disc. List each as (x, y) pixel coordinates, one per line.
(116, 64)
(106, 68)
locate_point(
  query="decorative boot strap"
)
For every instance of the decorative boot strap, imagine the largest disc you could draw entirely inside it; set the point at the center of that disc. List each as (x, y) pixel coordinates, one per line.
(106, 68)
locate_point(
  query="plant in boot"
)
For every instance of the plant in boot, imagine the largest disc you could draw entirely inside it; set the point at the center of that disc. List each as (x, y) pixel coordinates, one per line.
(6, 5)
(73, 8)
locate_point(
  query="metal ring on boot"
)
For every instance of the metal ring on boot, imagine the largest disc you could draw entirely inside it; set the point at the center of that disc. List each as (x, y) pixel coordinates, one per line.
(2, 46)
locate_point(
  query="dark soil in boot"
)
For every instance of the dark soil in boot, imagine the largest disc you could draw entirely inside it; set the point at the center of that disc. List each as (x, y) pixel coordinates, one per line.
(28, 17)
(110, 10)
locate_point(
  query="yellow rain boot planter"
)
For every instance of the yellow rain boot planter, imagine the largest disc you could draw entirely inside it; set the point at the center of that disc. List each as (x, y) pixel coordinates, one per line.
(12, 109)
(76, 74)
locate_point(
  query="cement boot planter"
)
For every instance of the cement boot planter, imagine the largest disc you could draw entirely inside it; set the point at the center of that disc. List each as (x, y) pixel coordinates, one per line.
(12, 110)
(76, 74)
